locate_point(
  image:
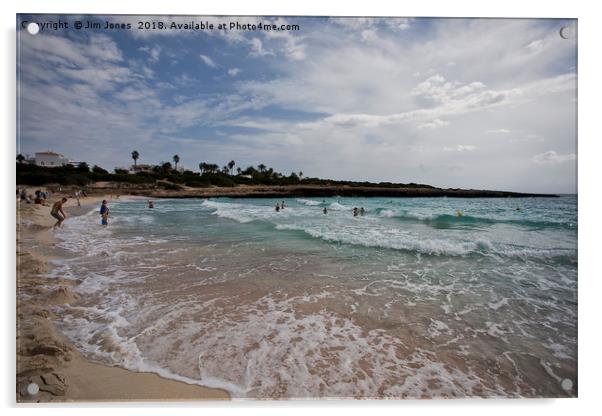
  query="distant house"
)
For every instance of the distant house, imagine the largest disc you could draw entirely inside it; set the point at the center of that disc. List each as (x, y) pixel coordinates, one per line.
(50, 159)
(141, 167)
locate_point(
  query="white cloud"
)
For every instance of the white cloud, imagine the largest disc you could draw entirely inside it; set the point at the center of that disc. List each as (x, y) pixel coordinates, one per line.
(535, 46)
(354, 22)
(399, 23)
(208, 61)
(436, 123)
(257, 48)
(369, 35)
(498, 131)
(552, 157)
(233, 72)
(153, 53)
(461, 148)
(437, 90)
(288, 44)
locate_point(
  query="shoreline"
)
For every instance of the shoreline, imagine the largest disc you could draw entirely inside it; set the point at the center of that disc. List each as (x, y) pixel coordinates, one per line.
(44, 355)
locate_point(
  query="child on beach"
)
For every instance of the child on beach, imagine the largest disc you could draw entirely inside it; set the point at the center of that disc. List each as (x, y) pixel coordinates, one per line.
(104, 213)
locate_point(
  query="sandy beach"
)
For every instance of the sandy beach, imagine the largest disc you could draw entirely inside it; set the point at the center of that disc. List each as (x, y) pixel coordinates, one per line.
(44, 355)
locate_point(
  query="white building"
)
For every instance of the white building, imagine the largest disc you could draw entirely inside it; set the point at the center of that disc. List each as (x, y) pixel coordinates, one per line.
(50, 159)
(141, 167)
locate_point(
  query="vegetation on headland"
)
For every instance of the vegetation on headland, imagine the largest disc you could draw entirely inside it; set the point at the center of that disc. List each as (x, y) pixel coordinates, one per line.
(165, 179)
(167, 175)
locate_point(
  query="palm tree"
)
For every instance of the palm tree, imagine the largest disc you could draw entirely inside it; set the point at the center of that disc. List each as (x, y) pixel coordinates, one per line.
(300, 175)
(261, 167)
(20, 158)
(135, 156)
(231, 165)
(202, 167)
(238, 170)
(176, 160)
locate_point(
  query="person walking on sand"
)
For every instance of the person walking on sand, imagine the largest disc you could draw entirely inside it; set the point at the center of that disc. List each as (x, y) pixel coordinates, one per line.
(104, 213)
(57, 210)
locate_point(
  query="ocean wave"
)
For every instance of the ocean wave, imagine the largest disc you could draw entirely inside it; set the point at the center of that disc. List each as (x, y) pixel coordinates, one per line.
(448, 220)
(335, 206)
(208, 203)
(397, 240)
(233, 215)
(309, 202)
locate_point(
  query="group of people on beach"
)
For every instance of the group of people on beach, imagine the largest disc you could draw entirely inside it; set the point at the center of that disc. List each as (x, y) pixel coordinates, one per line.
(39, 197)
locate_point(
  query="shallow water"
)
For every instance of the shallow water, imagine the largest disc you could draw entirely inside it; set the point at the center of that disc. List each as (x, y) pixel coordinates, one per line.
(409, 300)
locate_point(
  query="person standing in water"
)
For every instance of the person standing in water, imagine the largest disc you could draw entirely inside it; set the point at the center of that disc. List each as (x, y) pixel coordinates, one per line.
(362, 211)
(151, 204)
(355, 211)
(104, 213)
(282, 205)
(277, 207)
(325, 211)
(57, 210)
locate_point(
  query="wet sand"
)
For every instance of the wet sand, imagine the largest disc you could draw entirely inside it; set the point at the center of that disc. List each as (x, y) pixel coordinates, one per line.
(44, 355)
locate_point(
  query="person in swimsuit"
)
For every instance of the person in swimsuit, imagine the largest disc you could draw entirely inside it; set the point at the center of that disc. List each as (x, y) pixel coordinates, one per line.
(104, 213)
(57, 210)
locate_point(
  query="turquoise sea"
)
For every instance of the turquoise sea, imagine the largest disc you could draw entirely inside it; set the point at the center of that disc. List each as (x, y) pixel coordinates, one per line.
(419, 297)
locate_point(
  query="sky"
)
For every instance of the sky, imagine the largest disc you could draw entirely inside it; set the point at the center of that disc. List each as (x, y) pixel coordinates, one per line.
(467, 103)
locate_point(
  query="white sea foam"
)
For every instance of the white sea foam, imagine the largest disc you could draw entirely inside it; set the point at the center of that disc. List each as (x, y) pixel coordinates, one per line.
(308, 202)
(392, 238)
(335, 206)
(387, 213)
